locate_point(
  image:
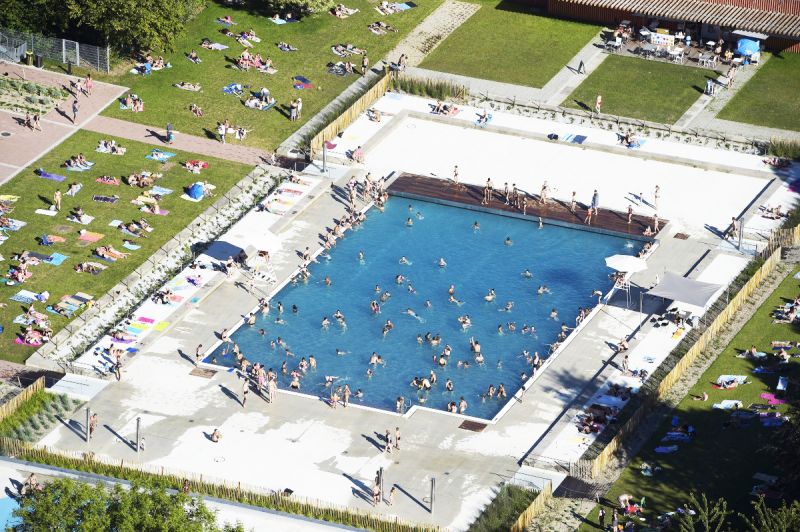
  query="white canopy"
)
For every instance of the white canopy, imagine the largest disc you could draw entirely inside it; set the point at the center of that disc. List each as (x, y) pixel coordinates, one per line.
(681, 289)
(626, 263)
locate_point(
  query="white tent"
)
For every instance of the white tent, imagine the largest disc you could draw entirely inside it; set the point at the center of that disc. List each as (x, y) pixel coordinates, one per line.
(683, 290)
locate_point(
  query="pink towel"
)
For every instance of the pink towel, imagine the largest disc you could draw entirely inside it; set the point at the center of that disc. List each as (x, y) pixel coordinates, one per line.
(772, 400)
(145, 320)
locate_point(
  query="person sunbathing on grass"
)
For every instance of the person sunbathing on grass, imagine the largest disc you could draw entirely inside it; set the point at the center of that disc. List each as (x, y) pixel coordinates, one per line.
(193, 57)
(108, 180)
(286, 47)
(88, 267)
(196, 110)
(108, 252)
(185, 85)
(132, 229)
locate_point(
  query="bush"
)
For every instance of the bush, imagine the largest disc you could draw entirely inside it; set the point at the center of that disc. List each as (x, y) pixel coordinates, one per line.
(299, 7)
(504, 510)
(790, 149)
(437, 89)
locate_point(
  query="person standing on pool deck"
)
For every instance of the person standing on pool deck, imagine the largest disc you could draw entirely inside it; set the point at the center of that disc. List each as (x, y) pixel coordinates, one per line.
(595, 200)
(630, 214)
(92, 425)
(346, 395)
(197, 353)
(573, 203)
(656, 195)
(364, 65)
(588, 219)
(397, 438)
(455, 177)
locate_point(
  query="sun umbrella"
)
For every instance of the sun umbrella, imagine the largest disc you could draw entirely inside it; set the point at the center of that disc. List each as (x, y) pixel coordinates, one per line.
(626, 263)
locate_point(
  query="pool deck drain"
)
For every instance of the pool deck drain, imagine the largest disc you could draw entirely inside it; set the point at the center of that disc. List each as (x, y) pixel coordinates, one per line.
(555, 212)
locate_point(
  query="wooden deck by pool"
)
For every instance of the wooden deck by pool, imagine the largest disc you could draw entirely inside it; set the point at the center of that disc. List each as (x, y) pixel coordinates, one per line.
(555, 211)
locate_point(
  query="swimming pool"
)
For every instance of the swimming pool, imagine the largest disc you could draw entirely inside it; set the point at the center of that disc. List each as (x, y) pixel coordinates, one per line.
(570, 262)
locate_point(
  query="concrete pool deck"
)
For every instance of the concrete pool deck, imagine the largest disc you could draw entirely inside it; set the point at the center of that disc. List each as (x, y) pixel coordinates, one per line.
(332, 455)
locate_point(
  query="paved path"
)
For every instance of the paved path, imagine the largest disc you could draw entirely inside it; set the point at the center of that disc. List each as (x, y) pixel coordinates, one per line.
(231, 151)
(433, 30)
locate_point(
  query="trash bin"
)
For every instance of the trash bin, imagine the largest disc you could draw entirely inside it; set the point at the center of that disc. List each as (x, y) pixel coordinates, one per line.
(29, 58)
(39, 61)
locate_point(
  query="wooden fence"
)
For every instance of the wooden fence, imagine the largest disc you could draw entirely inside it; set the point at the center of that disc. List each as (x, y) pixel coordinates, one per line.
(203, 484)
(785, 236)
(537, 506)
(350, 115)
(11, 406)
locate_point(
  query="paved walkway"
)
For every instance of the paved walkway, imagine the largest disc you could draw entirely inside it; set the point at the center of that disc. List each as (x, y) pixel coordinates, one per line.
(202, 146)
(433, 30)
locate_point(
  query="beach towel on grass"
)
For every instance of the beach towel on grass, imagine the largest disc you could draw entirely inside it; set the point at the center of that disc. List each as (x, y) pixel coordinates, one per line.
(158, 155)
(107, 259)
(47, 175)
(79, 169)
(771, 399)
(74, 191)
(115, 223)
(676, 436)
(132, 247)
(56, 259)
(105, 199)
(233, 88)
(15, 225)
(24, 296)
(46, 212)
(301, 82)
(9, 197)
(727, 404)
(161, 212)
(114, 182)
(88, 236)
(740, 379)
(84, 220)
(56, 239)
(20, 341)
(188, 198)
(666, 449)
(161, 191)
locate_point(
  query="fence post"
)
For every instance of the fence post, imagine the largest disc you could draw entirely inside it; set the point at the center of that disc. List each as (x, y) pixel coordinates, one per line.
(77, 53)
(63, 51)
(108, 61)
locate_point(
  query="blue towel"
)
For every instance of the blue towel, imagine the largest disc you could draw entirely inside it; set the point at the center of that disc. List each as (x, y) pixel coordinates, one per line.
(56, 259)
(132, 247)
(47, 175)
(161, 191)
(578, 139)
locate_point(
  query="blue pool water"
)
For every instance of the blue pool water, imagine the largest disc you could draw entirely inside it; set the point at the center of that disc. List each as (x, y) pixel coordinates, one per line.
(570, 262)
(7, 507)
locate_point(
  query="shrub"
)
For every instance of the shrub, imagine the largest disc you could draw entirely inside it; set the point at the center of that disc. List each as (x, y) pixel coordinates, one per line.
(789, 149)
(299, 7)
(30, 88)
(504, 510)
(30, 99)
(437, 89)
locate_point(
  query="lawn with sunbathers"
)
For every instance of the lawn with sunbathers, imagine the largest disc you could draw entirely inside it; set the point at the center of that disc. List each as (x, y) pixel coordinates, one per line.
(638, 88)
(727, 448)
(27, 193)
(771, 98)
(313, 37)
(509, 43)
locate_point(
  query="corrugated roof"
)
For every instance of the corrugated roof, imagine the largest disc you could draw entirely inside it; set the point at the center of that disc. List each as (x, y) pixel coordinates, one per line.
(769, 22)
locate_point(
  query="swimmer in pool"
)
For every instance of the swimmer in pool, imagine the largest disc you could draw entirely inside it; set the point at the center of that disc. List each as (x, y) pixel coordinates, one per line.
(442, 263)
(476, 226)
(410, 288)
(453, 299)
(359, 394)
(509, 307)
(388, 326)
(338, 314)
(327, 280)
(413, 314)
(490, 296)
(330, 379)
(500, 329)
(377, 289)
(465, 321)
(280, 321)
(479, 358)
(361, 257)
(340, 352)
(543, 290)
(554, 314)
(419, 216)
(508, 241)
(428, 303)
(511, 326)
(452, 289)
(325, 322)
(419, 339)
(409, 222)
(399, 279)
(410, 208)
(385, 296)
(527, 274)
(374, 307)
(448, 385)
(405, 261)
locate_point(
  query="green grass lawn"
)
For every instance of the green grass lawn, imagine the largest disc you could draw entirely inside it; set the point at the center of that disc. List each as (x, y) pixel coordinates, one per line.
(314, 37)
(771, 98)
(637, 88)
(721, 461)
(36, 193)
(505, 42)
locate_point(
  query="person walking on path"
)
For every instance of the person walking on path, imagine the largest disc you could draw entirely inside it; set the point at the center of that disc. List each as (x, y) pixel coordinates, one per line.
(75, 108)
(221, 132)
(598, 104)
(364, 65)
(392, 493)
(37, 124)
(198, 353)
(92, 425)
(88, 84)
(601, 518)
(170, 133)
(595, 200)
(397, 438)
(57, 200)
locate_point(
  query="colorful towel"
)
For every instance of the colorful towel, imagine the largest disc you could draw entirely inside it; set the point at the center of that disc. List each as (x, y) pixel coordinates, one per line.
(115, 181)
(15, 225)
(105, 199)
(158, 155)
(24, 296)
(20, 341)
(46, 212)
(189, 198)
(161, 212)
(132, 247)
(161, 191)
(56, 239)
(771, 399)
(47, 175)
(144, 319)
(56, 259)
(107, 259)
(89, 236)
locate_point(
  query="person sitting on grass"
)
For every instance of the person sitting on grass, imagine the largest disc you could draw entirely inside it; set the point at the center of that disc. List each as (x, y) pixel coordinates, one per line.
(193, 57)
(88, 267)
(196, 110)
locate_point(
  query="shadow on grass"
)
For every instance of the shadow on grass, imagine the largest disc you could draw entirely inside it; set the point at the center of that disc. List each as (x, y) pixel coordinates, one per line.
(583, 106)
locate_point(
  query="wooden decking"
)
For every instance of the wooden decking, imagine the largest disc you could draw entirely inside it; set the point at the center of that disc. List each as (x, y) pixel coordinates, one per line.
(555, 212)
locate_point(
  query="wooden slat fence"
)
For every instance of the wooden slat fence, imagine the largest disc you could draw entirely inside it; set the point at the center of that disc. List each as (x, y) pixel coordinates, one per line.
(11, 406)
(347, 117)
(537, 506)
(783, 236)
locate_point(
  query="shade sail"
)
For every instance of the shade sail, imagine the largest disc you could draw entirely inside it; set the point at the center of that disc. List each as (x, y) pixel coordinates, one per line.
(626, 263)
(677, 288)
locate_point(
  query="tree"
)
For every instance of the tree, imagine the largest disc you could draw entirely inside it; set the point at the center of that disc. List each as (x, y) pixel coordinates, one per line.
(785, 448)
(134, 24)
(299, 7)
(68, 505)
(708, 517)
(765, 519)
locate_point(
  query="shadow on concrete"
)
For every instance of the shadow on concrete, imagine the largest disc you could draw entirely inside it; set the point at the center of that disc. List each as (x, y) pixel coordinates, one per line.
(75, 426)
(407, 494)
(126, 441)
